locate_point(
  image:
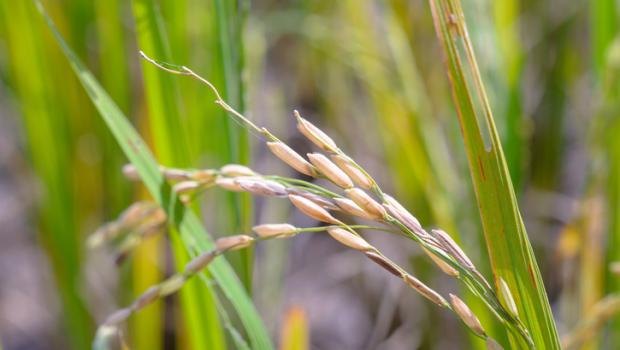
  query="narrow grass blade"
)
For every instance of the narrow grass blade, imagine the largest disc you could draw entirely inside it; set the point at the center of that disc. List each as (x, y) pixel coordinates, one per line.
(227, 41)
(509, 249)
(184, 222)
(51, 155)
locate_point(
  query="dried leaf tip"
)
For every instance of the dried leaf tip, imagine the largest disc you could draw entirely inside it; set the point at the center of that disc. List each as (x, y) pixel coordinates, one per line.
(330, 170)
(274, 230)
(290, 157)
(366, 202)
(467, 315)
(349, 239)
(314, 134)
(358, 177)
(312, 209)
(232, 170)
(506, 297)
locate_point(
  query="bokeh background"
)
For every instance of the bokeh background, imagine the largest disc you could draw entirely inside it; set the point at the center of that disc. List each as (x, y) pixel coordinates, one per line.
(370, 73)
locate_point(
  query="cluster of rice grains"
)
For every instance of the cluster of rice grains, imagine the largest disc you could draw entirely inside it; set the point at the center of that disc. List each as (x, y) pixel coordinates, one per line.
(357, 195)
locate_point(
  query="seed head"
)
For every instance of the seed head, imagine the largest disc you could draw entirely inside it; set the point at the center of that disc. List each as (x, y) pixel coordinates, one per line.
(312, 209)
(425, 290)
(229, 184)
(274, 230)
(233, 242)
(349, 239)
(467, 315)
(366, 202)
(232, 170)
(444, 266)
(360, 179)
(292, 158)
(350, 207)
(330, 170)
(314, 134)
(506, 297)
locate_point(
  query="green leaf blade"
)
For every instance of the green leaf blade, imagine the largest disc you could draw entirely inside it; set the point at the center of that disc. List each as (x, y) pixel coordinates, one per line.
(194, 237)
(509, 249)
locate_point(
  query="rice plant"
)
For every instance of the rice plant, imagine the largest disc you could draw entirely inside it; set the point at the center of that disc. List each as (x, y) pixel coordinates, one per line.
(242, 225)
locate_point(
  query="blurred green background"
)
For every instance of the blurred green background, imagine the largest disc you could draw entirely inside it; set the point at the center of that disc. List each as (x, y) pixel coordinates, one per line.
(370, 73)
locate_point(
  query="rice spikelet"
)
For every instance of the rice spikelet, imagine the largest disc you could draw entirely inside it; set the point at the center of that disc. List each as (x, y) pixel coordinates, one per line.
(349, 239)
(358, 177)
(366, 202)
(350, 207)
(444, 266)
(274, 230)
(312, 209)
(506, 297)
(314, 134)
(232, 170)
(467, 315)
(233, 242)
(330, 170)
(292, 158)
